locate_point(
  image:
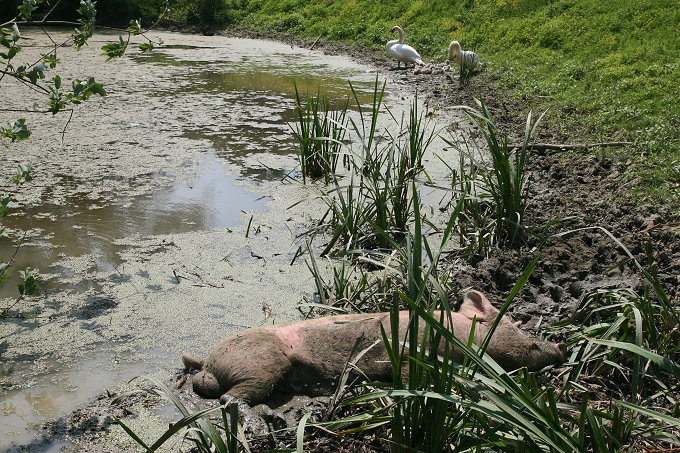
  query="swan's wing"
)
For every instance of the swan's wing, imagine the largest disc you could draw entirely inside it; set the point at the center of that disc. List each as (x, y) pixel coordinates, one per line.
(406, 53)
(470, 58)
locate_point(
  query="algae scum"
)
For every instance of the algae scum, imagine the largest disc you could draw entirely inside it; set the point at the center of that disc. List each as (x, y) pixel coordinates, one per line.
(160, 222)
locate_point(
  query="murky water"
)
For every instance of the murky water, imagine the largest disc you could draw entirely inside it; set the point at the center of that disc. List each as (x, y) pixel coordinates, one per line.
(162, 222)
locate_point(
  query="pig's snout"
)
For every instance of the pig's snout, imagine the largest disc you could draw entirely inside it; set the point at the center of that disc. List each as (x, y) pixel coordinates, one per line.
(563, 353)
(543, 354)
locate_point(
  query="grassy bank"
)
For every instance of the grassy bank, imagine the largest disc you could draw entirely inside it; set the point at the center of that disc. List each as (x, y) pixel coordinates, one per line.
(607, 70)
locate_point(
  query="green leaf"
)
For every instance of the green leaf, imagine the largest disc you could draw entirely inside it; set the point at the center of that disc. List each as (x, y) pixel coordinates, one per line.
(301, 433)
(17, 131)
(51, 60)
(114, 49)
(57, 81)
(650, 413)
(89, 13)
(132, 434)
(599, 444)
(146, 46)
(4, 202)
(30, 283)
(660, 361)
(25, 174)
(27, 7)
(135, 26)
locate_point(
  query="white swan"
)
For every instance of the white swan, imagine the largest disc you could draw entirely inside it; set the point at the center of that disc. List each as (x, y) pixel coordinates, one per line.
(465, 58)
(401, 51)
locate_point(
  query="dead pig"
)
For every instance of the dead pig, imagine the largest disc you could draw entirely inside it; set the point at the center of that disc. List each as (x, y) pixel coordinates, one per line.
(308, 357)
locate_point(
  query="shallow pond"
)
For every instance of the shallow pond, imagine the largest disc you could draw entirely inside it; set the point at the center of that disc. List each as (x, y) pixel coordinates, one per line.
(162, 221)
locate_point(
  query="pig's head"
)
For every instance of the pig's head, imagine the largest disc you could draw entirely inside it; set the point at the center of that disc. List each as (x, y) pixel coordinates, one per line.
(206, 385)
(509, 346)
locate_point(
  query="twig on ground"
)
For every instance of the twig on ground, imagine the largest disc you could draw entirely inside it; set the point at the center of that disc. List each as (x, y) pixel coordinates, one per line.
(315, 42)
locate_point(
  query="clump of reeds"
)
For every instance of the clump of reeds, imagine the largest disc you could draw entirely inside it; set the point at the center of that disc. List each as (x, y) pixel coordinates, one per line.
(497, 192)
(320, 133)
(376, 197)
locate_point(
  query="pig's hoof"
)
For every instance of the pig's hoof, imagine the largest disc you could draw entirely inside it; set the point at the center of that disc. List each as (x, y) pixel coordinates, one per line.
(252, 423)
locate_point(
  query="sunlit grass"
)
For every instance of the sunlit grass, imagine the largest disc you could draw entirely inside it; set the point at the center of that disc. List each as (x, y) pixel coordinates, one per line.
(319, 132)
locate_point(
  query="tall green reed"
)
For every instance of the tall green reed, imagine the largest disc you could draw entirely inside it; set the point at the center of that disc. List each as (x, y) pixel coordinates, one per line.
(476, 226)
(504, 182)
(376, 197)
(320, 133)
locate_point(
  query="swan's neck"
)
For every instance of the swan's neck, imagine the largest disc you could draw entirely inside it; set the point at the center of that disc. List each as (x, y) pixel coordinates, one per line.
(401, 36)
(392, 43)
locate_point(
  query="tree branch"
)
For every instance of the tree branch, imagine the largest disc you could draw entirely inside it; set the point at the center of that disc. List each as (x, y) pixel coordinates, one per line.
(25, 111)
(47, 22)
(25, 82)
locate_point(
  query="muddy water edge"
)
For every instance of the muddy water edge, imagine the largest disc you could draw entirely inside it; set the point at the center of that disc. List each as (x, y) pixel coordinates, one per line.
(161, 222)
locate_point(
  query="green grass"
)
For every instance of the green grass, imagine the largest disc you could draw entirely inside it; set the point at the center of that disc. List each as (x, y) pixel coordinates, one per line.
(606, 70)
(503, 184)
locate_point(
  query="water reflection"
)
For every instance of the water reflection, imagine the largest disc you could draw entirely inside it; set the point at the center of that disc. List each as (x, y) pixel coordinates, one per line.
(91, 226)
(66, 388)
(248, 99)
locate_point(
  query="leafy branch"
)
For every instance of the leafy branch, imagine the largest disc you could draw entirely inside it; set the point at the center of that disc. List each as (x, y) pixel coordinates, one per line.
(118, 49)
(59, 96)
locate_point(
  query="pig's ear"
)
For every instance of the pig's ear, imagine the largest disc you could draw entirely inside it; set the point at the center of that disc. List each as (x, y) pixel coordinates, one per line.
(475, 304)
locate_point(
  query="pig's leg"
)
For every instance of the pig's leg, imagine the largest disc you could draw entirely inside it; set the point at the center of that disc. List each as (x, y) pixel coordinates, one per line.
(252, 422)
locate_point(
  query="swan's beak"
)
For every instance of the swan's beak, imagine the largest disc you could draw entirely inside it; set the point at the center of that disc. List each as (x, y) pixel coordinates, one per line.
(393, 29)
